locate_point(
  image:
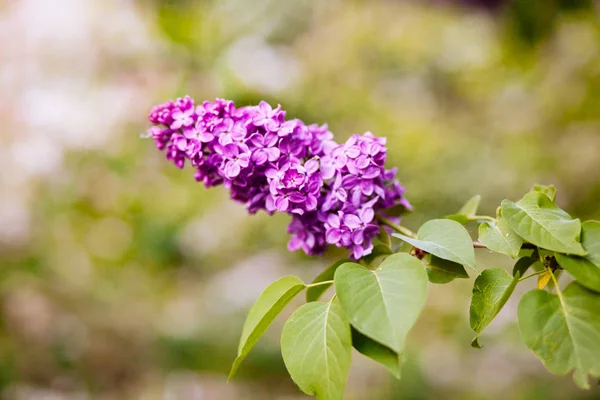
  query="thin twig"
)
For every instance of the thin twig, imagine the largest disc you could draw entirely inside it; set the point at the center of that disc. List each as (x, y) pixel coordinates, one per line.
(481, 218)
(398, 228)
(529, 276)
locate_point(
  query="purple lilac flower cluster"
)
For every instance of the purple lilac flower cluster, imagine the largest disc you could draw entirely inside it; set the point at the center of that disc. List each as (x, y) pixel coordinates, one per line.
(331, 190)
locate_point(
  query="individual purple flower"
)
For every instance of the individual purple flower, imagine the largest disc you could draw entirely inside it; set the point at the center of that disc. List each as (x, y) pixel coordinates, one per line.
(161, 114)
(235, 158)
(372, 153)
(209, 115)
(161, 136)
(229, 131)
(321, 140)
(291, 148)
(288, 127)
(182, 118)
(337, 232)
(336, 196)
(360, 224)
(264, 147)
(267, 117)
(341, 154)
(363, 181)
(294, 187)
(308, 234)
(199, 133)
(176, 155)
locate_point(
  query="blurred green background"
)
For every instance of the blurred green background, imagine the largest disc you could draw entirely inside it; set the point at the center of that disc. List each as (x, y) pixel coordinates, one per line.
(121, 278)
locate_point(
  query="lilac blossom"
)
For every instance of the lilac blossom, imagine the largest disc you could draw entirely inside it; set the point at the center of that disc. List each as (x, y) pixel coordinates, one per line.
(332, 191)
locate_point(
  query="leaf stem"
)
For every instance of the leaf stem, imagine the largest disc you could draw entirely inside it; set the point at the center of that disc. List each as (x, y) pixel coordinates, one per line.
(481, 218)
(320, 284)
(555, 283)
(529, 276)
(398, 228)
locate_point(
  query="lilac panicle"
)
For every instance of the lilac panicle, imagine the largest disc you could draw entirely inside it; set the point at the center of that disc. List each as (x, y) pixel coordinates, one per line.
(332, 191)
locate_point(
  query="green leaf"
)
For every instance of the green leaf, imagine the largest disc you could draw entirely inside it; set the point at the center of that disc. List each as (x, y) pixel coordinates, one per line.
(377, 352)
(396, 211)
(471, 206)
(563, 330)
(270, 303)
(522, 265)
(500, 238)
(384, 237)
(446, 239)
(469, 209)
(490, 292)
(443, 271)
(590, 238)
(549, 190)
(316, 346)
(383, 304)
(314, 293)
(536, 219)
(586, 272)
(379, 250)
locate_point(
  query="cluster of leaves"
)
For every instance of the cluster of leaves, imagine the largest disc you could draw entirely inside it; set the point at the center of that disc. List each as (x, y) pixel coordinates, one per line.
(378, 299)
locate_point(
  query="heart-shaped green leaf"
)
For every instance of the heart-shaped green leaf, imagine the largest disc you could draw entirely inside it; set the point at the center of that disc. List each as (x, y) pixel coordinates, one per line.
(314, 293)
(490, 292)
(539, 221)
(563, 330)
(383, 304)
(316, 346)
(500, 238)
(586, 272)
(377, 352)
(270, 303)
(443, 271)
(590, 238)
(446, 239)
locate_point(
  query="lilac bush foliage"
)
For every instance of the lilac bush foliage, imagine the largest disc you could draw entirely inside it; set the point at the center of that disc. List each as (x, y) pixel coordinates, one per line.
(342, 195)
(331, 190)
